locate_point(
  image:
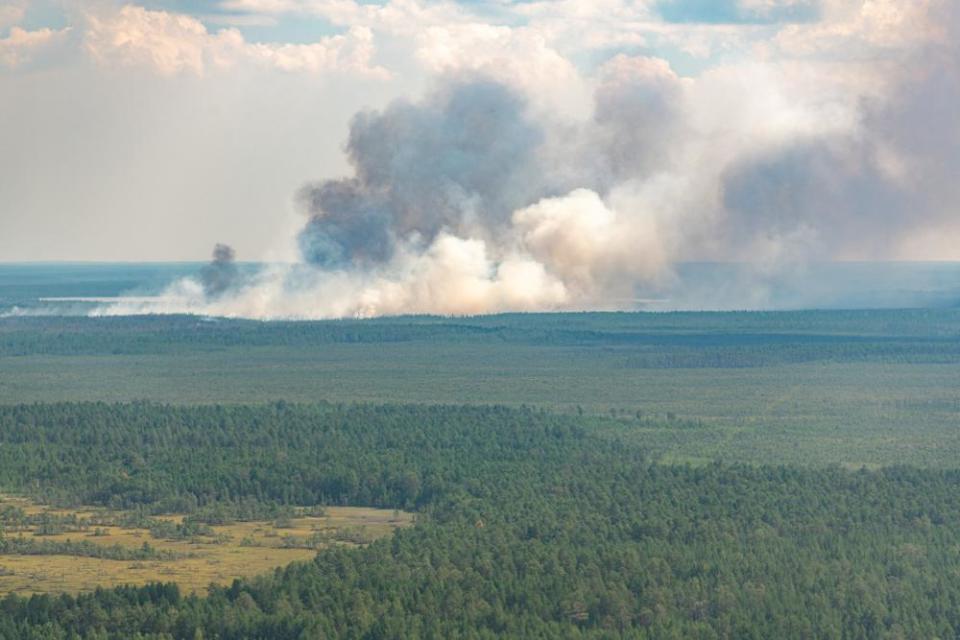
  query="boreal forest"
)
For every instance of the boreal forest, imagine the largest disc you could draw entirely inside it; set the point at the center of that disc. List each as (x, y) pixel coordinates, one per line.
(760, 498)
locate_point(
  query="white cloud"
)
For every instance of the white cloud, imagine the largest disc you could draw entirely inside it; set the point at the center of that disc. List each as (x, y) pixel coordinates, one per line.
(444, 37)
(168, 42)
(22, 46)
(10, 15)
(861, 29)
(520, 57)
(396, 16)
(352, 52)
(240, 19)
(174, 43)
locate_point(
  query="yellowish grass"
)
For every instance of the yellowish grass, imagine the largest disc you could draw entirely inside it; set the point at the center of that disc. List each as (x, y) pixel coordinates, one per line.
(239, 550)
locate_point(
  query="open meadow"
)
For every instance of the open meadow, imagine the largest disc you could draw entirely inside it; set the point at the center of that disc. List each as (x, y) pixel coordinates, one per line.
(213, 554)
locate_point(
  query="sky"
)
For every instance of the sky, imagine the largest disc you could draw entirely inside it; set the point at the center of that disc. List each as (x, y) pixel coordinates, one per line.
(570, 146)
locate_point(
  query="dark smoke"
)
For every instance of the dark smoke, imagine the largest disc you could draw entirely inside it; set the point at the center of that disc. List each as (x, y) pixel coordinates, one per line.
(827, 193)
(462, 160)
(221, 273)
(468, 156)
(637, 121)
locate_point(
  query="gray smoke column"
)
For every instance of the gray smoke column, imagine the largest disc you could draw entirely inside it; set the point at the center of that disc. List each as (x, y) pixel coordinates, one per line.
(221, 273)
(463, 160)
(464, 202)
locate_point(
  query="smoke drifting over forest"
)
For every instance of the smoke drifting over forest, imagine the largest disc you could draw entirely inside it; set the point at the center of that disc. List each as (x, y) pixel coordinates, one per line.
(476, 199)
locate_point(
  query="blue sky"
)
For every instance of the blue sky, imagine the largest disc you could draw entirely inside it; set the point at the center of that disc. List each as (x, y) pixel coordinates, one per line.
(733, 12)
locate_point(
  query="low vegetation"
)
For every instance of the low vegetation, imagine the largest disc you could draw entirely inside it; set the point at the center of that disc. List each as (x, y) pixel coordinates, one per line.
(44, 550)
(814, 387)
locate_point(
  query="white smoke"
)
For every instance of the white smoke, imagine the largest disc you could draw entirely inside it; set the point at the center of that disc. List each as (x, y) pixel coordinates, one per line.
(570, 252)
(471, 201)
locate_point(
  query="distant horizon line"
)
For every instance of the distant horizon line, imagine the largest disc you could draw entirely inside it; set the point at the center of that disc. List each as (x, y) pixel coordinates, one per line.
(15, 263)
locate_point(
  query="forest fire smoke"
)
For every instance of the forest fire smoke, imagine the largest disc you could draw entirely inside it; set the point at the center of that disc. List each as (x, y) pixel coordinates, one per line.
(471, 200)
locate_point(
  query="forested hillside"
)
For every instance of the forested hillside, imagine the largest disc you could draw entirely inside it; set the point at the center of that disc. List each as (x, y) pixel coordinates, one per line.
(529, 525)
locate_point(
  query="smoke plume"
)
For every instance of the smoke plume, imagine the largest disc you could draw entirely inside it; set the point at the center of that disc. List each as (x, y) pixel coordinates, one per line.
(472, 201)
(221, 274)
(456, 205)
(462, 161)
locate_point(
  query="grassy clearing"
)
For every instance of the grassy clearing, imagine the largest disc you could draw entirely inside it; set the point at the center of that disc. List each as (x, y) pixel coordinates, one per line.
(235, 550)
